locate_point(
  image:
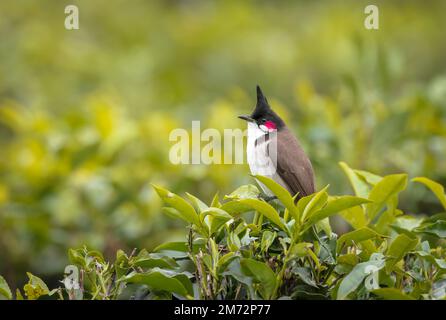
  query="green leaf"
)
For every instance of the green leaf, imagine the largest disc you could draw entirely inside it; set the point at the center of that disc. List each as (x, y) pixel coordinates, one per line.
(348, 259)
(153, 260)
(35, 287)
(435, 187)
(36, 281)
(163, 280)
(359, 185)
(388, 216)
(267, 240)
(439, 263)
(324, 225)
(233, 241)
(358, 274)
(216, 212)
(18, 295)
(317, 202)
(383, 191)
(300, 249)
(179, 246)
(121, 263)
(438, 290)
(216, 218)
(185, 209)
(261, 274)
(281, 193)
(216, 201)
(305, 275)
(392, 294)
(336, 205)
(437, 228)
(5, 291)
(407, 223)
(235, 208)
(266, 209)
(234, 270)
(355, 216)
(249, 191)
(198, 204)
(399, 247)
(173, 213)
(224, 261)
(370, 178)
(356, 236)
(76, 257)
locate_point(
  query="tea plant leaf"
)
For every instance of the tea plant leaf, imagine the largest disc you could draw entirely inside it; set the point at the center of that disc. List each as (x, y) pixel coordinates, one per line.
(336, 205)
(76, 258)
(437, 229)
(317, 202)
(358, 274)
(18, 295)
(305, 275)
(261, 274)
(179, 246)
(281, 193)
(173, 213)
(267, 210)
(163, 280)
(300, 249)
(439, 263)
(216, 212)
(356, 236)
(35, 287)
(348, 259)
(184, 208)
(5, 291)
(198, 204)
(407, 223)
(233, 241)
(225, 260)
(267, 240)
(235, 208)
(359, 186)
(392, 294)
(355, 216)
(303, 202)
(234, 270)
(435, 187)
(438, 290)
(153, 260)
(399, 247)
(249, 191)
(216, 201)
(383, 191)
(369, 177)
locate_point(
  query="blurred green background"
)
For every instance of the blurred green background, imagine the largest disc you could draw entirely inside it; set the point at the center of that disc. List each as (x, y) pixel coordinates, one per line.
(85, 114)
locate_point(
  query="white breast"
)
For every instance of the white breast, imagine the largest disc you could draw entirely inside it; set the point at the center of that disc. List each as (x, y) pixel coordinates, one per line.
(258, 156)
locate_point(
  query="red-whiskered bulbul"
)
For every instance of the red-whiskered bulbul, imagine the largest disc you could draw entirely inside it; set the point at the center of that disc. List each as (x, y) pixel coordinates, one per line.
(274, 151)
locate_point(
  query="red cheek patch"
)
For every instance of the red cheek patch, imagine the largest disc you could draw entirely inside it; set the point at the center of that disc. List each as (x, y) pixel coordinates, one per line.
(270, 125)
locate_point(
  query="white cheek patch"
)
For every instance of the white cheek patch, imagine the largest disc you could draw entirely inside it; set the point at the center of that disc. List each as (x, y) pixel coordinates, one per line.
(254, 131)
(266, 129)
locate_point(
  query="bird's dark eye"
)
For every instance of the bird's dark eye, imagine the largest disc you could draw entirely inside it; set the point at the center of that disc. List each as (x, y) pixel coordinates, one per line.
(263, 120)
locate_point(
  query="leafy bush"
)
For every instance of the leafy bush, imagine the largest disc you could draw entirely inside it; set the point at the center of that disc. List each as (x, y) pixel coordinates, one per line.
(243, 247)
(85, 115)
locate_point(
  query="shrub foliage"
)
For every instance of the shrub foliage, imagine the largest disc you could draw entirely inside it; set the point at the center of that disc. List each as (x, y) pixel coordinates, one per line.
(243, 247)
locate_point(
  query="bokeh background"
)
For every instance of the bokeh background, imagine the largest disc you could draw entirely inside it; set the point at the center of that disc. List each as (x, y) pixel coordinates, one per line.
(85, 114)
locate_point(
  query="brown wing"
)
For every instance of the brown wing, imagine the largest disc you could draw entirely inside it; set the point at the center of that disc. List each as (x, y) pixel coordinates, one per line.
(293, 165)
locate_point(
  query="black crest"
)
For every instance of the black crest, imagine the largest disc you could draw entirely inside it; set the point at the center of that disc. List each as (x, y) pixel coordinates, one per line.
(262, 106)
(263, 111)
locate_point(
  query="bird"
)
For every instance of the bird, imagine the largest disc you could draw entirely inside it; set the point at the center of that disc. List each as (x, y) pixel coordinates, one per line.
(273, 151)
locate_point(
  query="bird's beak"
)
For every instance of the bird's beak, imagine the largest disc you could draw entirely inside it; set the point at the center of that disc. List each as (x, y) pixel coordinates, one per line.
(246, 118)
